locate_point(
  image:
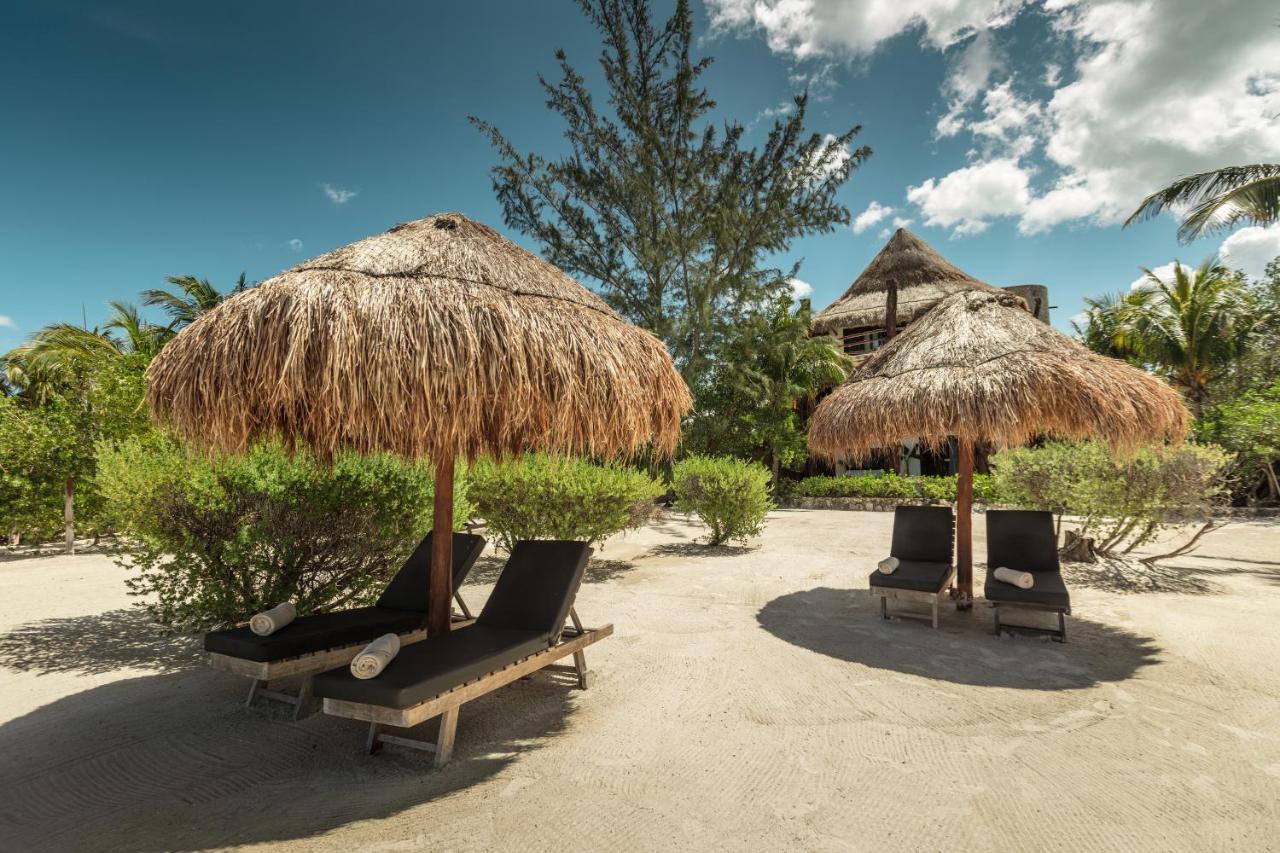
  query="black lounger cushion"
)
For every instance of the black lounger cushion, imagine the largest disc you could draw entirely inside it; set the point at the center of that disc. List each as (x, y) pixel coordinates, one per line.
(914, 575)
(537, 587)
(315, 633)
(1022, 539)
(1049, 591)
(408, 589)
(402, 608)
(433, 666)
(923, 534)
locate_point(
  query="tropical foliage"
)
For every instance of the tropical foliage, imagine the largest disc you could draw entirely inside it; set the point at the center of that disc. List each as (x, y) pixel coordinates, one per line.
(915, 488)
(729, 496)
(1217, 200)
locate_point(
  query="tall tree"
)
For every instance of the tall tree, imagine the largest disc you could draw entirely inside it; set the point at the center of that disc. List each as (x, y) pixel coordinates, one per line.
(193, 297)
(1217, 200)
(671, 215)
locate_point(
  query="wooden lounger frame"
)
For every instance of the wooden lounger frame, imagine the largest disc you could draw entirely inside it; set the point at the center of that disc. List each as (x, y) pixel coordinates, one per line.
(263, 672)
(447, 704)
(884, 593)
(1059, 636)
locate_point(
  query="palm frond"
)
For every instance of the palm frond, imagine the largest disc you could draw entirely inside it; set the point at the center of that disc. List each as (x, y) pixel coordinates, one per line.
(1257, 202)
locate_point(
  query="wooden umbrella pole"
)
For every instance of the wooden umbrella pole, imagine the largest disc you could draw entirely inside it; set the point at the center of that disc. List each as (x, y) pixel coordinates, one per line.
(440, 602)
(964, 526)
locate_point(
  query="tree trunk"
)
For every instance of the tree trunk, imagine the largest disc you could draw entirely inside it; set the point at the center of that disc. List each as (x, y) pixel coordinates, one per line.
(1078, 549)
(891, 311)
(69, 512)
(964, 526)
(440, 601)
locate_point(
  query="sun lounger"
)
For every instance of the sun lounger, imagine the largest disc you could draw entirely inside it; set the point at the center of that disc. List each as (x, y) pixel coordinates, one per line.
(1025, 540)
(520, 630)
(923, 542)
(312, 644)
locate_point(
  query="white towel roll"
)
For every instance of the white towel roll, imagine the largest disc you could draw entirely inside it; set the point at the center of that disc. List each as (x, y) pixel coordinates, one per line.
(1022, 580)
(375, 657)
(270, 621)
(888, 565)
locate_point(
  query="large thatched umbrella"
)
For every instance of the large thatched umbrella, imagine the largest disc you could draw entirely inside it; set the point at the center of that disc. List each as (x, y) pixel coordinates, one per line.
(979, 368)
(439, 339)
(907, 268)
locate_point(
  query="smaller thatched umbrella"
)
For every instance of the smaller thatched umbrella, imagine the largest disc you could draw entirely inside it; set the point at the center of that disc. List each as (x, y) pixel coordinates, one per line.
(979, 368)
(908, 272)
(438, 339)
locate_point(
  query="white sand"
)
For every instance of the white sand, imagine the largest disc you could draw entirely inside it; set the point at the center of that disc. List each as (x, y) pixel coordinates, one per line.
(749, 700)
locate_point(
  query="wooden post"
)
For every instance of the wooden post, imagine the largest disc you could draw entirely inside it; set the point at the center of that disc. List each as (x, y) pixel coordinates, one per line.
(891, 329)
(964, 526)
(440, 603)
(69, 512)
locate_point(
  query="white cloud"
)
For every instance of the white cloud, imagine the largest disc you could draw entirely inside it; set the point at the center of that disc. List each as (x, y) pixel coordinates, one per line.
(338, 195)
(1251, 249)
(6, 322)
(968, 198)
(1127, 111)
(800, 289)
(295, 244)
(874, 213)
(902, 222)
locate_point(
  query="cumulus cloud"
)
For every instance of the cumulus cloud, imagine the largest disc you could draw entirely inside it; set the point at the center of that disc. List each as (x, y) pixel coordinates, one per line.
(338, 195)
(870, 217)
(967, 199)
(800, 289)
(1126, 112)
(6, 322)
(295, 244)
(1251, 249)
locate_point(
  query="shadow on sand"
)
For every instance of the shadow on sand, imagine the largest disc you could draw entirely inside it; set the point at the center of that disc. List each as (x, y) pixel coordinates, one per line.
(693, 549)
(845, 624)
(1131, 576)
(487, 569)
(103, 642)
(175, 762)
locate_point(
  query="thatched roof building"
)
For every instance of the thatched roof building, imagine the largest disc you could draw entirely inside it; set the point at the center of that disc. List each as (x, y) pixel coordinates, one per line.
(923, 277)
(980, 368)
(438, 338)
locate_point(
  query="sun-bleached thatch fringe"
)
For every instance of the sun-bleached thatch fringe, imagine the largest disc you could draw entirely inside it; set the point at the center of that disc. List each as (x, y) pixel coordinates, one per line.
(981, 368)
(923, 278)
(437, 339)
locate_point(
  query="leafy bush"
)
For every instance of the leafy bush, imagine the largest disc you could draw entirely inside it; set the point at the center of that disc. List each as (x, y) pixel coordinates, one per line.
(1123, 503)
(731, 497)
(1249, 427)
(216, 539)
(890, 485)
(560, 497)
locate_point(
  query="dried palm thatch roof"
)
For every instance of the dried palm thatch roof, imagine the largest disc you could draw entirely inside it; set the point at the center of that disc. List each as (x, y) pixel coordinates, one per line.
(981, 368)
(923, 278)
(439, 338)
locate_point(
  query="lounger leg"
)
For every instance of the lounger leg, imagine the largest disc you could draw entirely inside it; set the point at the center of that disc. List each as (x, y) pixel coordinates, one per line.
(580, 664)
(462, 605)
(304, 697)
(577, 623)
(1062, 627)
(373, 744)
(253, 691)
(935, 611)
(444, 741)
(995, 612)
(884, 607)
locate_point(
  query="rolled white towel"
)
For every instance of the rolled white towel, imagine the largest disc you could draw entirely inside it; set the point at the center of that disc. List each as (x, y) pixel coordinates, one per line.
(888, 565)
(375, 657)
(270, 621)
(1022, 580)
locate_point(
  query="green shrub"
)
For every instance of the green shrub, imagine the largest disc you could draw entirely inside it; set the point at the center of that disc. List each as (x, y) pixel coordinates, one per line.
(931, 489)
(560, 497)
(731, 497)
(213, 540)
(1123, 503)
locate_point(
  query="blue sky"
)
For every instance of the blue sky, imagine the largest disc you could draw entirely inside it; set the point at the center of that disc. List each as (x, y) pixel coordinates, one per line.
(145, 139)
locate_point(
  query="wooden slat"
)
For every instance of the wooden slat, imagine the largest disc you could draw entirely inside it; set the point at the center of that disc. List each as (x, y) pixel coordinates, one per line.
(407, 718)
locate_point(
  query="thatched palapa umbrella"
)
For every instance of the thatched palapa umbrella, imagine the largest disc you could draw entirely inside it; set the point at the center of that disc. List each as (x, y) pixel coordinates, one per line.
(907, 271)
(439, 339)
(978, 367)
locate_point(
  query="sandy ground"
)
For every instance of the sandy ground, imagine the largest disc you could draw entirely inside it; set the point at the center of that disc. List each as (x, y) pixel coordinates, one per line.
(749, 700)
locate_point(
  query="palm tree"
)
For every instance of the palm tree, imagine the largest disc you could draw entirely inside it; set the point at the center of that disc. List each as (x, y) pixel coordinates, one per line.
(195, 296)
(1218, 200)
(1187, 326)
